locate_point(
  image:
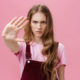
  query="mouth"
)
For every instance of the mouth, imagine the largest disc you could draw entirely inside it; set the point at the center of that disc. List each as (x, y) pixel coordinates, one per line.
(38, 31)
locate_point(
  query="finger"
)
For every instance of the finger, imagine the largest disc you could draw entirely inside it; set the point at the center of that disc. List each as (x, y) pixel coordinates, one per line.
(13, 20)
(18, 20)
(20, 23)
(23, 25)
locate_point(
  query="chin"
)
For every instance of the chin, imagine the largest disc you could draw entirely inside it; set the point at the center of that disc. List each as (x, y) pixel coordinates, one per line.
(38, 36)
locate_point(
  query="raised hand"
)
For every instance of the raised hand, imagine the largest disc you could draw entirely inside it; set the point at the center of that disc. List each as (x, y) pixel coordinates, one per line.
(13, 27)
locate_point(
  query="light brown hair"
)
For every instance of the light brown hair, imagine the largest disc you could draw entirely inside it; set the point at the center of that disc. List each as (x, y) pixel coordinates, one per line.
(50, 45)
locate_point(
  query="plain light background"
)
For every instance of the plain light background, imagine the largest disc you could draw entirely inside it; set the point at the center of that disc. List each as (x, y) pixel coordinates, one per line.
(66, 18)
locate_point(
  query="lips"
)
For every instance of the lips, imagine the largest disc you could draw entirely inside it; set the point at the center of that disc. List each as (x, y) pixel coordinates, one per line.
(38, 31)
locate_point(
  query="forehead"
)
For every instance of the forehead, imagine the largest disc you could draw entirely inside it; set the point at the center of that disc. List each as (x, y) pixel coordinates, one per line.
(38, 16)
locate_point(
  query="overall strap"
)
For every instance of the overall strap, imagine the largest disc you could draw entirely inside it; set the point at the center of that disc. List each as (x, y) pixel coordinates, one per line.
(28, 52)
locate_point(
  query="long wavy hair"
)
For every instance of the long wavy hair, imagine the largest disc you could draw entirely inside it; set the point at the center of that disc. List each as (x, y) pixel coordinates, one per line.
(50, 45)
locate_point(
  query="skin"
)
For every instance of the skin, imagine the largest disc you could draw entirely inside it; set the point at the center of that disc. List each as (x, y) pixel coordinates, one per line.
(60, 72)
(10, 32)
(38, 23)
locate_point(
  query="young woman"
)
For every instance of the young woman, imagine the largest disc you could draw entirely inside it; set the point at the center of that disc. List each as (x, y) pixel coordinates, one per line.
(40, 56)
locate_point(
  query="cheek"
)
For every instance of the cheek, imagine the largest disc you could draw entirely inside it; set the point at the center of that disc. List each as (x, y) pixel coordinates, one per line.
(32, 27)
(44, 28)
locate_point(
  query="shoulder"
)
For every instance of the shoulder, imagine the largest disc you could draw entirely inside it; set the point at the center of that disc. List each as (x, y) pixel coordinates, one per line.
(61, 49)
(22, 44)
(61, 54)
(60, 45)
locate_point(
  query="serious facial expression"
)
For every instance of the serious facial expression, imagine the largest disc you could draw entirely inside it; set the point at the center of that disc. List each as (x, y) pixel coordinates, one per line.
(38, 24)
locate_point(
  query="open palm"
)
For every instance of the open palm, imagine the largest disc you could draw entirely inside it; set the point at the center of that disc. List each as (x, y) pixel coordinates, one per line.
(13, 27)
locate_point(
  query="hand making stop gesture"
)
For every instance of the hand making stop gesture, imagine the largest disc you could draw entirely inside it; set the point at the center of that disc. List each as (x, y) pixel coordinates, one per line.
(13, 27)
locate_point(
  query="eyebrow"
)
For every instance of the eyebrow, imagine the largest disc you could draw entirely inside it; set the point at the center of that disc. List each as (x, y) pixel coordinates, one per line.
(40, 21)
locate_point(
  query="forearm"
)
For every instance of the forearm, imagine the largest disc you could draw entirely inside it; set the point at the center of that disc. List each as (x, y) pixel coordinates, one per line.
(12, 45)
(61, 72)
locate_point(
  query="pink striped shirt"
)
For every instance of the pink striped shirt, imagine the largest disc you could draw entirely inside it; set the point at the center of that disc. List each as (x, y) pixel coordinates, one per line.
(37, 55)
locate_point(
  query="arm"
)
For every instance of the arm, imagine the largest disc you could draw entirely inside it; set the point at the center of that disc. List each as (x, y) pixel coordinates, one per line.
(12, 45)
(10, 32)
(62, 64)
(61, 72)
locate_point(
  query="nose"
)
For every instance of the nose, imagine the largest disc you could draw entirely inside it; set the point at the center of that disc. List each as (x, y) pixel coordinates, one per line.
(39, 25)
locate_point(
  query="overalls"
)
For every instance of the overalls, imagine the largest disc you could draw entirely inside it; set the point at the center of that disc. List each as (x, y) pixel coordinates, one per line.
(32, 69)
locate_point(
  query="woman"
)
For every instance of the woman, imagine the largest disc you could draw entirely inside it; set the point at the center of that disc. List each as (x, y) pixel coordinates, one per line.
(46, 57)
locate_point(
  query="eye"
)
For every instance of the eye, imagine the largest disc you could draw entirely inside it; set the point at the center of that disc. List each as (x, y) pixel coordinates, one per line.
(34, 21)
(43, 22)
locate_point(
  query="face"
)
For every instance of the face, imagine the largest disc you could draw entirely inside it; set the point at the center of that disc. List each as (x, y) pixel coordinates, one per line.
(38, 24)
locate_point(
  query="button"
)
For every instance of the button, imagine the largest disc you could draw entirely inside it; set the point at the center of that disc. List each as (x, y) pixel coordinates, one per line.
(28, 61)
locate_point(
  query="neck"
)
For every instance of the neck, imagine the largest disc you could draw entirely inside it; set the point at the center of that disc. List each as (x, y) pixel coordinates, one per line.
(37, 40)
